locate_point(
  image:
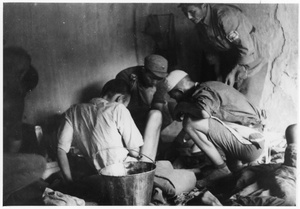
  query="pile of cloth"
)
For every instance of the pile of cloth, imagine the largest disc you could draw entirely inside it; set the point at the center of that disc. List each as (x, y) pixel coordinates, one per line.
(265, 184)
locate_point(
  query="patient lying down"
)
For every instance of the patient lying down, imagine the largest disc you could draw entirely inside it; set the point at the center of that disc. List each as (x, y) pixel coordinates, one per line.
(281, 181)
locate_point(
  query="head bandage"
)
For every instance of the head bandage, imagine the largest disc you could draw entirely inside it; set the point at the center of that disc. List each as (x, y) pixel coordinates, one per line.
(174, 78)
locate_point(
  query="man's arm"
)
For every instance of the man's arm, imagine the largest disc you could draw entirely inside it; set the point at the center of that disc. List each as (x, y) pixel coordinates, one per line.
(238, 31)
(191, 109)
(65, 136)
(159, 100)
(132, 138)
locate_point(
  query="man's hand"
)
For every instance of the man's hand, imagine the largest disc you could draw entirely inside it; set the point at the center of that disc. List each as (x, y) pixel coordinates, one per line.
(64, 165)
(230, 78)
(177, 113)
(134, 152)
(181, 109)
(190, 109)
(237, 74)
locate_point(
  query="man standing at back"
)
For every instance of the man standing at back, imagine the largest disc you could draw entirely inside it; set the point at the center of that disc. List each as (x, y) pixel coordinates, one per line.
(225, 32)
(148, 105)
(22, 172)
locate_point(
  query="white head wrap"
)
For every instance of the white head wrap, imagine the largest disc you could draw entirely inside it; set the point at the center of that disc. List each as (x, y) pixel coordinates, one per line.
(173, 78)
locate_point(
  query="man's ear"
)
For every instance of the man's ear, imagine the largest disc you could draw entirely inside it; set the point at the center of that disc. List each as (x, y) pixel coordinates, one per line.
(119, 98)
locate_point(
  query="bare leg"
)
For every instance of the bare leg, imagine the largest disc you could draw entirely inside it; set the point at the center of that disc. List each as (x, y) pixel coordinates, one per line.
(151, 135)
(198, 130)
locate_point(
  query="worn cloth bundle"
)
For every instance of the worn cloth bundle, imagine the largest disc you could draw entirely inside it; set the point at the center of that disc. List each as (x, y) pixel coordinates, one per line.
(172, 181)
(51, 197)
(276, 180)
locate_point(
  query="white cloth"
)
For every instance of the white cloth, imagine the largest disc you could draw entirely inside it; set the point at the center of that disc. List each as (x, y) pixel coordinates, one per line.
(174, 78)
(101, 130)
(57, 198)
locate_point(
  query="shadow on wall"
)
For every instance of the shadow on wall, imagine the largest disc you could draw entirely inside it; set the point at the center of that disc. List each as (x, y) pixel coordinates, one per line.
(91, 91)
(19, 77)
(47, 147)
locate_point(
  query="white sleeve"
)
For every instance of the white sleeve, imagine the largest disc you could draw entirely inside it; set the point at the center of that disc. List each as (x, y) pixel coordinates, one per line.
(132, 137)
(65, 136)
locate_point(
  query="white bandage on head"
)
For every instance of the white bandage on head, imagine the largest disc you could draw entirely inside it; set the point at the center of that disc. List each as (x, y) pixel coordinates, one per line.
(174, 78)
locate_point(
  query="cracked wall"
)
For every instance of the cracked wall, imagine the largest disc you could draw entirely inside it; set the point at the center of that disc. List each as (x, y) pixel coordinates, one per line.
(277, 26)
(281, 87)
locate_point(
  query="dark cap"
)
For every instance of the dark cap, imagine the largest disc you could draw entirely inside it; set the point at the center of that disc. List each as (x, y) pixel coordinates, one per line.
(157, 65)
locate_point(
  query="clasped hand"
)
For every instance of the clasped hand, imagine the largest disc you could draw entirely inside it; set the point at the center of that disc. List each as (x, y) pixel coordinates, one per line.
(238, 73)
(180, 110)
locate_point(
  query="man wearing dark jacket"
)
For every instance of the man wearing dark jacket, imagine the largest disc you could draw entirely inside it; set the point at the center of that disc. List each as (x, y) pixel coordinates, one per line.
(148, 105)
(227, 33)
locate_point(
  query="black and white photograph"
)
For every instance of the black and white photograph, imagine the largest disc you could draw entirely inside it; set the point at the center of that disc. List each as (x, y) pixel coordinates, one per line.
(149, 103)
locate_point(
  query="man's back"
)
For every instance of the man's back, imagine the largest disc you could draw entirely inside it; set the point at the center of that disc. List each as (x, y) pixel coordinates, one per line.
(226, 103)
(100, 131)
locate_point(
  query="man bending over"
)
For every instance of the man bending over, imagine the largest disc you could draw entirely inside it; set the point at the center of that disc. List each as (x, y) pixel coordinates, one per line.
(218, 119)
(99, 131)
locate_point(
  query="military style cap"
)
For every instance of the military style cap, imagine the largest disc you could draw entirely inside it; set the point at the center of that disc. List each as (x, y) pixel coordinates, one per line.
(157, 65)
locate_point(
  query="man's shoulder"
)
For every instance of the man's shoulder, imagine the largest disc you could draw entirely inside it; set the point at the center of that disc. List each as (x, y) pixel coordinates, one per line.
(79, 107)
(213, 84)
(216, 86)
(114, 108)
(131, 75)
(222, 89)
(113, 105)
(225, 7)
(225, 11)
(129, 71)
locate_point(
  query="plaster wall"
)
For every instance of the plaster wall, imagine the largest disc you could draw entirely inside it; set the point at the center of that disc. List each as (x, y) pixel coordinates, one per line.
(77, 47)
(277, 25)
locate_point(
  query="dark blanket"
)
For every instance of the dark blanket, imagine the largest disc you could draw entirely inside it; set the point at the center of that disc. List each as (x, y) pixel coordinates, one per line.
(262, 185)
(278, 179)
(21, 170)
